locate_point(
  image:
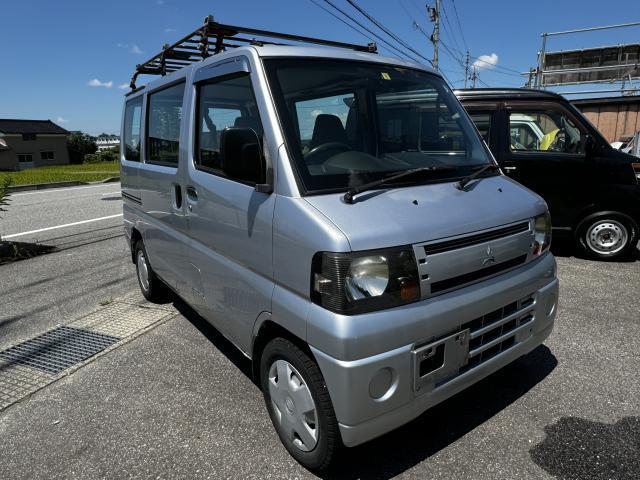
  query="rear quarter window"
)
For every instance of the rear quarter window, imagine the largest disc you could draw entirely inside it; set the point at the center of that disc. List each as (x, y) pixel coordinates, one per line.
(163, 127)
(132, 129)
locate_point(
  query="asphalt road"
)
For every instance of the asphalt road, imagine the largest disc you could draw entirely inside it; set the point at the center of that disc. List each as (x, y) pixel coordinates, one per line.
(89, 267)
(177, 401)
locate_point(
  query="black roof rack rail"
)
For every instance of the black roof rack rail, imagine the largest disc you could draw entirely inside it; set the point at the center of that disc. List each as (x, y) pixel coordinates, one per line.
(213, 37)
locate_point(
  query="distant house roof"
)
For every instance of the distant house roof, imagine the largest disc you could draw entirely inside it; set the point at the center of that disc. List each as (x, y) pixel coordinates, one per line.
(10, 125)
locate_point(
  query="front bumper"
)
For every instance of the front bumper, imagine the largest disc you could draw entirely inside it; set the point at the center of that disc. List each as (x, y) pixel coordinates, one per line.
(379, 392)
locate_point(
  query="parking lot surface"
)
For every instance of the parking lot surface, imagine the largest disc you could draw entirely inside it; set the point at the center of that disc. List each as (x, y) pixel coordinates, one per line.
(177, 401)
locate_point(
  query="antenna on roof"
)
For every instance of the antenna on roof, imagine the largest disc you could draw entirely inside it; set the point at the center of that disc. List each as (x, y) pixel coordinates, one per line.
(213, 37)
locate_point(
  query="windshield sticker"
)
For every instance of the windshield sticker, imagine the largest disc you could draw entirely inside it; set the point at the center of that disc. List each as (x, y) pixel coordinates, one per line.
(385, 76)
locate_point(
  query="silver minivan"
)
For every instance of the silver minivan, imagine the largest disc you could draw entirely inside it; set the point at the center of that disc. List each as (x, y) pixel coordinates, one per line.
(336, 215)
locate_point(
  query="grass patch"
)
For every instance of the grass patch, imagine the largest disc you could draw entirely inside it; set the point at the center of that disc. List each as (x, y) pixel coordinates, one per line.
(87, 172)
(14, 251)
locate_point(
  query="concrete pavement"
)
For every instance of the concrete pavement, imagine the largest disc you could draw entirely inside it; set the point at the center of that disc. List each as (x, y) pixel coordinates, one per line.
(177, 401)
(90, 266)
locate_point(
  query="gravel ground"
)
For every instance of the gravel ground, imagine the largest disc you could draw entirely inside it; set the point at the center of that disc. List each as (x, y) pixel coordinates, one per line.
(177, 402)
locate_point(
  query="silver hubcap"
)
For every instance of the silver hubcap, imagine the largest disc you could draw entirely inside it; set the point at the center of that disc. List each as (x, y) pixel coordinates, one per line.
(607, 237)
(143, 270)
(293, 405)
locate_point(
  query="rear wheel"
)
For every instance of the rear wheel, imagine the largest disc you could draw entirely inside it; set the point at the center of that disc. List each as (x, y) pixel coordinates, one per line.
(299, 404)
(151, 286)
(607, 235)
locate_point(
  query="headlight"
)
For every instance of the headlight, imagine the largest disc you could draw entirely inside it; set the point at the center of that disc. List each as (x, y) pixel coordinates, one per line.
(541, 234)
(358, 282)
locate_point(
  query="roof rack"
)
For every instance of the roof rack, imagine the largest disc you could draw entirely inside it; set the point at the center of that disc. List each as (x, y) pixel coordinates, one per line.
(213, 37)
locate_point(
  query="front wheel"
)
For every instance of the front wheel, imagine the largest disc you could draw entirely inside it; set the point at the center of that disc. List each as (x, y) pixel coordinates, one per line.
(607, 235)
(299, 405)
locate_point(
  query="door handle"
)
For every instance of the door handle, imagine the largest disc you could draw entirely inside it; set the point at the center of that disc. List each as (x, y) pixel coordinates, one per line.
(510, 169)
(177, 196)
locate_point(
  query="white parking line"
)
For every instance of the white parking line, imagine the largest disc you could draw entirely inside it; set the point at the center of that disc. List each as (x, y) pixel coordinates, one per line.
(14, 235)
(55, 190)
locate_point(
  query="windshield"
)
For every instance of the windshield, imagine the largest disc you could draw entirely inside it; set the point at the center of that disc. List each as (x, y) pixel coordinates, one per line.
(349, 123)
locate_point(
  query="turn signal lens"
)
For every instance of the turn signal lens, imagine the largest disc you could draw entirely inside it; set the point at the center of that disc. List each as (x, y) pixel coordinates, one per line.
(541, 234)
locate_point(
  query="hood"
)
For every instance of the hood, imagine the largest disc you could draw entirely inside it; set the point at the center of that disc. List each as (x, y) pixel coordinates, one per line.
(402, 216)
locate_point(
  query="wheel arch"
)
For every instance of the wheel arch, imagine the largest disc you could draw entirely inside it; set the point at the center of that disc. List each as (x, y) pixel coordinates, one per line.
(136, 236)
(265, 330)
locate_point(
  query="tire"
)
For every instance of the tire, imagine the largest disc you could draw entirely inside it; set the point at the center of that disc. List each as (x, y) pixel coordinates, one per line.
(607, 235)
(288, 405)
(151, 286)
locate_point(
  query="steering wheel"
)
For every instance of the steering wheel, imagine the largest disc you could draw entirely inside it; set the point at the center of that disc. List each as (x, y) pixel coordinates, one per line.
(315, 151)
(559, 143)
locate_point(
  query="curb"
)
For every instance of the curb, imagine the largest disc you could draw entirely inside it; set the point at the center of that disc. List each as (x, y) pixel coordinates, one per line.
(44, 186)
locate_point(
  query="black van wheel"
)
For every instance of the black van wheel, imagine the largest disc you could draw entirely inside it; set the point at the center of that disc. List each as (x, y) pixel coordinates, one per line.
(607, 235)
(299, 405)
(151, 286)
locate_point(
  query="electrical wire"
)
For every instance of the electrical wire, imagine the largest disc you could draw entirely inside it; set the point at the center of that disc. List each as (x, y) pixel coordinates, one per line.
(449, 29)
(455, 9)
(335, 7)
(319, 5)
(385, 29)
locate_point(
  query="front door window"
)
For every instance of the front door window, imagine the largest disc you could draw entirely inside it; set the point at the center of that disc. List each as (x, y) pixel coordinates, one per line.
(543, 131)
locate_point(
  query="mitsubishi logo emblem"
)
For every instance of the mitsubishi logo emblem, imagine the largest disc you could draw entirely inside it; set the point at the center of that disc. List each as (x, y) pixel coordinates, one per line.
(489, 259)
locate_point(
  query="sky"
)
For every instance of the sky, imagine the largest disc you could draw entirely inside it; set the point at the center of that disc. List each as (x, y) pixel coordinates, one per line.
(70, 60)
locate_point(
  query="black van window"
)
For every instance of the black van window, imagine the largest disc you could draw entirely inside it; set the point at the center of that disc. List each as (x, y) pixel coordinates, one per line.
(223, 104)
(132, 127)
(163, 125)
(483, 124)
(543, 131)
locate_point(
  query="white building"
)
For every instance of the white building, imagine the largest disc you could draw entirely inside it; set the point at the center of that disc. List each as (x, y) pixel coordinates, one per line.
(105, 142)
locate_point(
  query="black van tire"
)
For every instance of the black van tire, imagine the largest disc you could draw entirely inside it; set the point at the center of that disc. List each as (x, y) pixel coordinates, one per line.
(613, 223)
(320, 457)
(155, 290)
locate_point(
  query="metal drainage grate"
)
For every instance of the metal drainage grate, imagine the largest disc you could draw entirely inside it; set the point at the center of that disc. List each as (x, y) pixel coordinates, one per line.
(58, 349)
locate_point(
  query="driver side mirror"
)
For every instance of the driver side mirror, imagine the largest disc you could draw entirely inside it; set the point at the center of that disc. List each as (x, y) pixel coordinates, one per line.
(242, 157)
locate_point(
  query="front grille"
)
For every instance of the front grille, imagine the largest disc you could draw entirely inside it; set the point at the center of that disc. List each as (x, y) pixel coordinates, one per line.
(459, 280)
(496, 332)
(475, 239)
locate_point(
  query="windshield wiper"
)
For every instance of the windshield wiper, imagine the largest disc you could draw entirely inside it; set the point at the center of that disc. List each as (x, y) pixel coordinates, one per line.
(463, 183)
(348, 197)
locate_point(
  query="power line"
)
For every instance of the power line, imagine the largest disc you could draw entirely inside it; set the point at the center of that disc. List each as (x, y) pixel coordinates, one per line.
(385, 29)
(500, 67)
(450, 29)
(335, 7)
(455, 9)
(319, 5)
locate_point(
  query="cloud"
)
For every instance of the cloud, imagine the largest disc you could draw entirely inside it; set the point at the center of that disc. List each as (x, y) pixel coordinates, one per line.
(486, 62)
(123, 86)
(61, 120)
(131, 48)
(169, 30)
(160, 2)
(94, 82)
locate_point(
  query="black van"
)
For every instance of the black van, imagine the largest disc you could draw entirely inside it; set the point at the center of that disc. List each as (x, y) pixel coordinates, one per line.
(546, 144)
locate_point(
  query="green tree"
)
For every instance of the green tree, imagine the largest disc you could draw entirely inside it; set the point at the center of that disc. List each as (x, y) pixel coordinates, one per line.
(80, 144)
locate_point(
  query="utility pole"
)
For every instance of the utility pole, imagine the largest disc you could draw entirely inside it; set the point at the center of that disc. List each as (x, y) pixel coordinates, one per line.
(474, 77)
(434, 16)
(466, 68)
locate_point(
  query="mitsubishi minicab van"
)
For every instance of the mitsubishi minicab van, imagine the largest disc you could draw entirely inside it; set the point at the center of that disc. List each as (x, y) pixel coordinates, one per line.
(336, 215)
